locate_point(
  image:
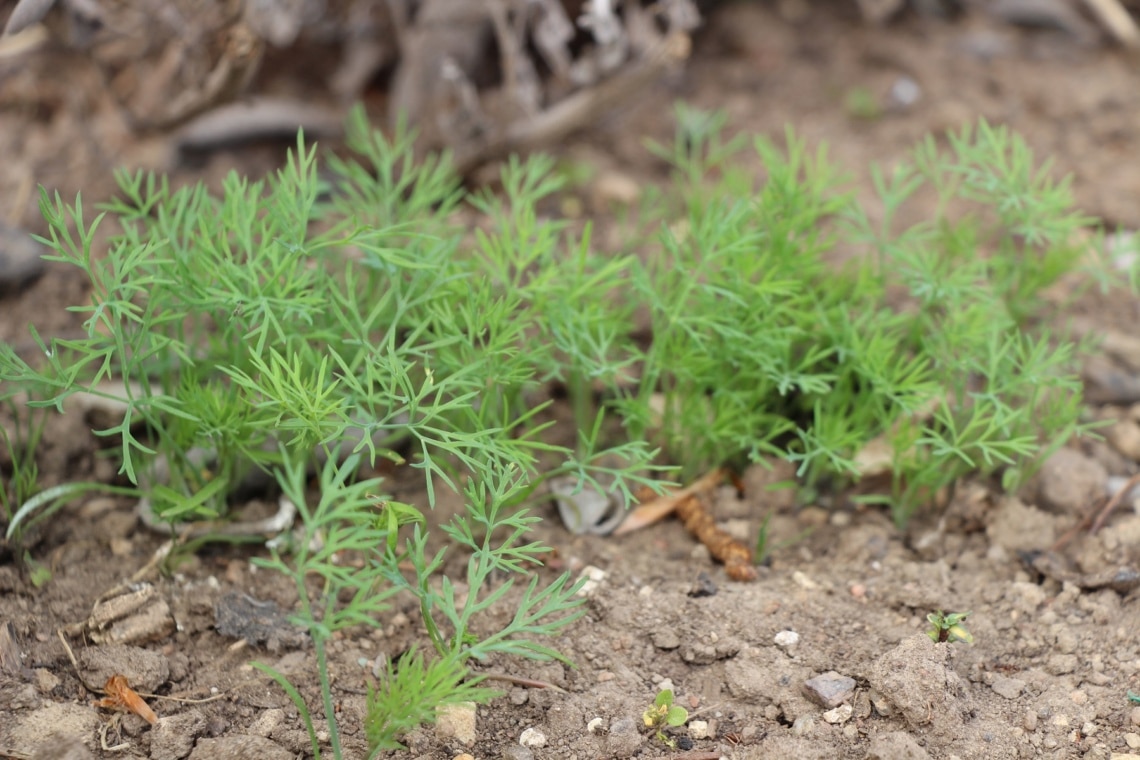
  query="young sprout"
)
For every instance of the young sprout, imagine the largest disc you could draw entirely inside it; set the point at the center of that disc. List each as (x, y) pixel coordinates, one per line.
(948, 627)
(664, 713)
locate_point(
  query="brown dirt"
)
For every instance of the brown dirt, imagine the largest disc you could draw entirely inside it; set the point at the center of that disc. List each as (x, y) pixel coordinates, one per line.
(1055, 653)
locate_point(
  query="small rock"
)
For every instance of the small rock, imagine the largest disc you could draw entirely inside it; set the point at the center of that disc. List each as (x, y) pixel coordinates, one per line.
(21, 259)
(616, 188)
(594, 577)
(1029, 720)
(173, 738)
(665, 639)
(1070, 481)
(830, 689)
(145, 670)
(596, 725)
(456, 722)
(624, 739)
(1132, 739)
(1125, 438)
(1134, 716)
(1061, 664)
(267, 722)
(803, 581)
(516, 752)
(703, 587)
(464, 756)
(803, 725)
(896, 745)
(787, 639)
(532, 738)
(839, 715)
(699, 729)
(1010, 688)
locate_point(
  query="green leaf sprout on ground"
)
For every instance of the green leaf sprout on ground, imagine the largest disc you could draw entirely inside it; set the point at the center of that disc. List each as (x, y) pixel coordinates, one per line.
(947, 627)
(662, 714)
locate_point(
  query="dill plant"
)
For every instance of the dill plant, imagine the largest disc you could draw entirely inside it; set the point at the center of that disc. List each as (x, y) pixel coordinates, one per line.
(306, 324)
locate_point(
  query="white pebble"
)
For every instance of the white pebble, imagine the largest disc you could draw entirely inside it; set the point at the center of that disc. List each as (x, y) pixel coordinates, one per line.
(839, 715)
(699, 729)
(787, 639)
(532, 737)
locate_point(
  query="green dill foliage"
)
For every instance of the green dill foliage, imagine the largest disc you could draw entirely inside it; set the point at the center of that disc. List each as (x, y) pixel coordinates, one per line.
(286, 323)
(314, 323)
(767, 343)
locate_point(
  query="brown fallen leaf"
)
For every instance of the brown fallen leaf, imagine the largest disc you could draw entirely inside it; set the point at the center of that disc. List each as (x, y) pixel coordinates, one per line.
(120, 696)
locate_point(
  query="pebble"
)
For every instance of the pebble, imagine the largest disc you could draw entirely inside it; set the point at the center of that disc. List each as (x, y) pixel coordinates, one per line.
(532, 738)
(1132, 739)
(1134, 717)
(787, 639)
(624, 739)
(1124, 436)
(830, 689)
(456, 722)
(593, 579)
(839, 715)
(21, 259)
(803, 725)
(1070, 481)
(595, 725)
(1010, 688)
(1029, 721)
(699, 729)
(803, 581)
(616, 188)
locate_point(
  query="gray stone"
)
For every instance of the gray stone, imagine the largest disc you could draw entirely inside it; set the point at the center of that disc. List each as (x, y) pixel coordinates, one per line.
(830, 689)
(21, 259)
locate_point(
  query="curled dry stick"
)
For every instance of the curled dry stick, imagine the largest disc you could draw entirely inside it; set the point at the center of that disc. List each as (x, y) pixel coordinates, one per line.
(698, 520)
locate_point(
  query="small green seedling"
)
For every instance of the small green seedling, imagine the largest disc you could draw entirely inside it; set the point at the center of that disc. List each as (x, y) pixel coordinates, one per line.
(665, 713)
(948, 627)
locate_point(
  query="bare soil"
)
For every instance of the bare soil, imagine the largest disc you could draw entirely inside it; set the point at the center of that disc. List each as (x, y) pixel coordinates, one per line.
(1056, 649)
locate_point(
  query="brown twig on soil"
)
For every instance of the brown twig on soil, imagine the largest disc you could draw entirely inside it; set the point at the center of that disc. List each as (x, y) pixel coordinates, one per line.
(737, 557)
(1113, 503)
(663, 506)
(1096, 518)
(698, 520)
